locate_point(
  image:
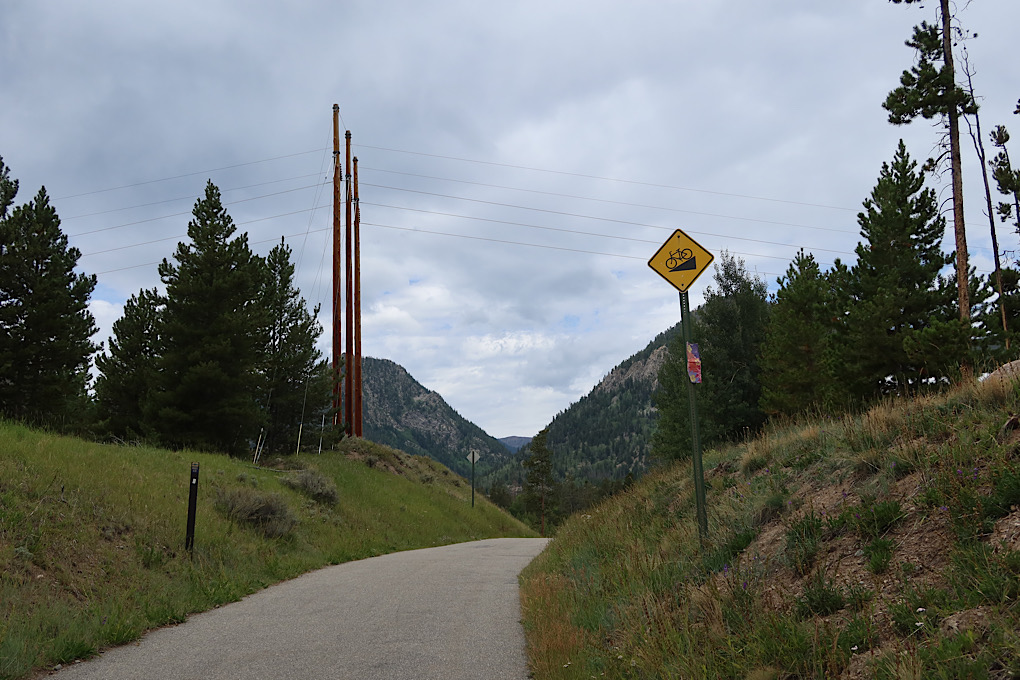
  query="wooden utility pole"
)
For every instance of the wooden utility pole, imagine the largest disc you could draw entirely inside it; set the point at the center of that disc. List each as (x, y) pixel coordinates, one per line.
(358, 429)
(349, 347)
(337, 177)
(962, 272)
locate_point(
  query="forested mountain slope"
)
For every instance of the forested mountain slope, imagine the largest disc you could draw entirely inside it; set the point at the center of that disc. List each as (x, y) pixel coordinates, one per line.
(607, 433)
(400, 412)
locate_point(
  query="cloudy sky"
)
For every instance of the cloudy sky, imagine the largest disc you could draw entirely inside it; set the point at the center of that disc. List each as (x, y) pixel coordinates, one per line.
(519, 162)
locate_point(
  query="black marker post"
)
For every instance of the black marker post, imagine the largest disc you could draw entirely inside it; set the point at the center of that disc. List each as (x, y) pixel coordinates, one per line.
(189, 539)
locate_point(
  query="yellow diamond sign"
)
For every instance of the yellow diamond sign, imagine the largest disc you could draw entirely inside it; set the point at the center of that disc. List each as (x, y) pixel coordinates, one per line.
(680, 260)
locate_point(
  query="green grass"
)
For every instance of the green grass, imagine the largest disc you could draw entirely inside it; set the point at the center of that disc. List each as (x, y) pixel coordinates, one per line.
(92, 536)
(888, 532)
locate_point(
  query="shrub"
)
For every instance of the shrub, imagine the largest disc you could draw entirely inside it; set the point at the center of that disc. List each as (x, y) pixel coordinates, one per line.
(874, 519)
(859, 635)
(770, 509)
(820, 597)
(879, 553)
(802, 542)
(313, 484)
(268, 513)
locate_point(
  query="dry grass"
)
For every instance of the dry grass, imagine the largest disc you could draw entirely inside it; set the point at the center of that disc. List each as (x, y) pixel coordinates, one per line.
(788, 583)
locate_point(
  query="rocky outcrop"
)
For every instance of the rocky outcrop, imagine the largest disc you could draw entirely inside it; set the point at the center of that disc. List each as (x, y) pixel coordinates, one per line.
(402, 413)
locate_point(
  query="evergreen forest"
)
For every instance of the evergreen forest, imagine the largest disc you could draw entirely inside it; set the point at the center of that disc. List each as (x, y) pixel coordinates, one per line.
(224, 360)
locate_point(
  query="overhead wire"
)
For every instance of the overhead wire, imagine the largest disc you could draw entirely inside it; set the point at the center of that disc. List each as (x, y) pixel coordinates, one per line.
(319, 186)
(163, 217)
(612, 202)
(536, 226)
(610, 179)
(189, 197)
(592, 217)
(187, 174)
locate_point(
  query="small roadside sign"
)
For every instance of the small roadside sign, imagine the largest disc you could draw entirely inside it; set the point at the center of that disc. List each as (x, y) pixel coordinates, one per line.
(473, 457)
(680, 260)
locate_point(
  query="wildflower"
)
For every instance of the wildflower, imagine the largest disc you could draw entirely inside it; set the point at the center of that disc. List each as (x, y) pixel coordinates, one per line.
(919, 624)
(854, 648)
(744, 585)
(920, 610)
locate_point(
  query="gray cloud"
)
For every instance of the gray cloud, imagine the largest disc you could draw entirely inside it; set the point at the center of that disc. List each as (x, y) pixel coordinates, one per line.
(755, 126)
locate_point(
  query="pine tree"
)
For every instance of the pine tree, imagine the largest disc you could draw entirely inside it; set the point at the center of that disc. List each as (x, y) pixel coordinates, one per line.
(45, 323)
(930, 90)
(290, 355)
(539, 483)
(671, 439)
(734, 318)
(8, 189)
(1006, 178)
(128, 368)
(730, 329)
(211, 337)
(795, 375)
(896, 302)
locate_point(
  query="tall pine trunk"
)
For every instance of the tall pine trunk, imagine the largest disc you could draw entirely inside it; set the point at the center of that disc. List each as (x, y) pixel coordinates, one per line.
(962, 277)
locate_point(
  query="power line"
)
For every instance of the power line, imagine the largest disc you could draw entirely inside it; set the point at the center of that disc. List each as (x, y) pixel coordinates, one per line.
(163, 217)
(612, 202)
(611, 179)
(182, 236)
(188, 174)
(535, 226)
(595, 217)
(185, 198)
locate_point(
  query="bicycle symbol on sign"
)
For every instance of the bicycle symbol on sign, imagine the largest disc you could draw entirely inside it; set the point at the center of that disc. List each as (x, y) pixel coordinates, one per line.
(680, 260)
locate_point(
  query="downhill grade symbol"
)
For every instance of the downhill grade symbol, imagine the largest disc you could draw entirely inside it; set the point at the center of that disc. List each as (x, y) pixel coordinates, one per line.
(680, 260)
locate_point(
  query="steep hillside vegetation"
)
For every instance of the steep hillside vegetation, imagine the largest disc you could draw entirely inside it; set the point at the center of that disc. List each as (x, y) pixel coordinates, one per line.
(400, 412)
(607, 433)
(92, 536)
(884, 545)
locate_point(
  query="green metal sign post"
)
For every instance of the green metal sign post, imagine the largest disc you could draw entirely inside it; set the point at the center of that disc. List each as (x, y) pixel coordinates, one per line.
(692, 395)
(681, 260)
(473, 457)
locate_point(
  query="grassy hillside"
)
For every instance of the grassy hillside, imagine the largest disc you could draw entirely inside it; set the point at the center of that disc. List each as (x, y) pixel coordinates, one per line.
(92, 536)
(885, 545)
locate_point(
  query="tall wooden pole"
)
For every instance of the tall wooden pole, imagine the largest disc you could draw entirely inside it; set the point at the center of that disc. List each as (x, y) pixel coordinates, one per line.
(337, 177)
(358, 429)
(962, 271)
(349, 347)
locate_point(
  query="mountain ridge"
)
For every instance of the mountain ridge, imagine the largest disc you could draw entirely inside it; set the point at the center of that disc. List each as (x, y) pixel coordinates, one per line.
(402, 413)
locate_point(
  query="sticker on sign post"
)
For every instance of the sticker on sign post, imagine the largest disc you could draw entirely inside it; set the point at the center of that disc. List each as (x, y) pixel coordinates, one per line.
(694, 362)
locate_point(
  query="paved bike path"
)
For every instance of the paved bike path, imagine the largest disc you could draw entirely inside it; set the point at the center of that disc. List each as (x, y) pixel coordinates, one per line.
(451, 612)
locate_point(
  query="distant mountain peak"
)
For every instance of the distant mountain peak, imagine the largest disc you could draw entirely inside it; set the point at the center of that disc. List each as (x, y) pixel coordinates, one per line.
(514, 444)
(403, 414)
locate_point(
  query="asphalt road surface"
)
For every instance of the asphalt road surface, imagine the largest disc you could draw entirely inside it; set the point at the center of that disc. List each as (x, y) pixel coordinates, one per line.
(451, 612)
